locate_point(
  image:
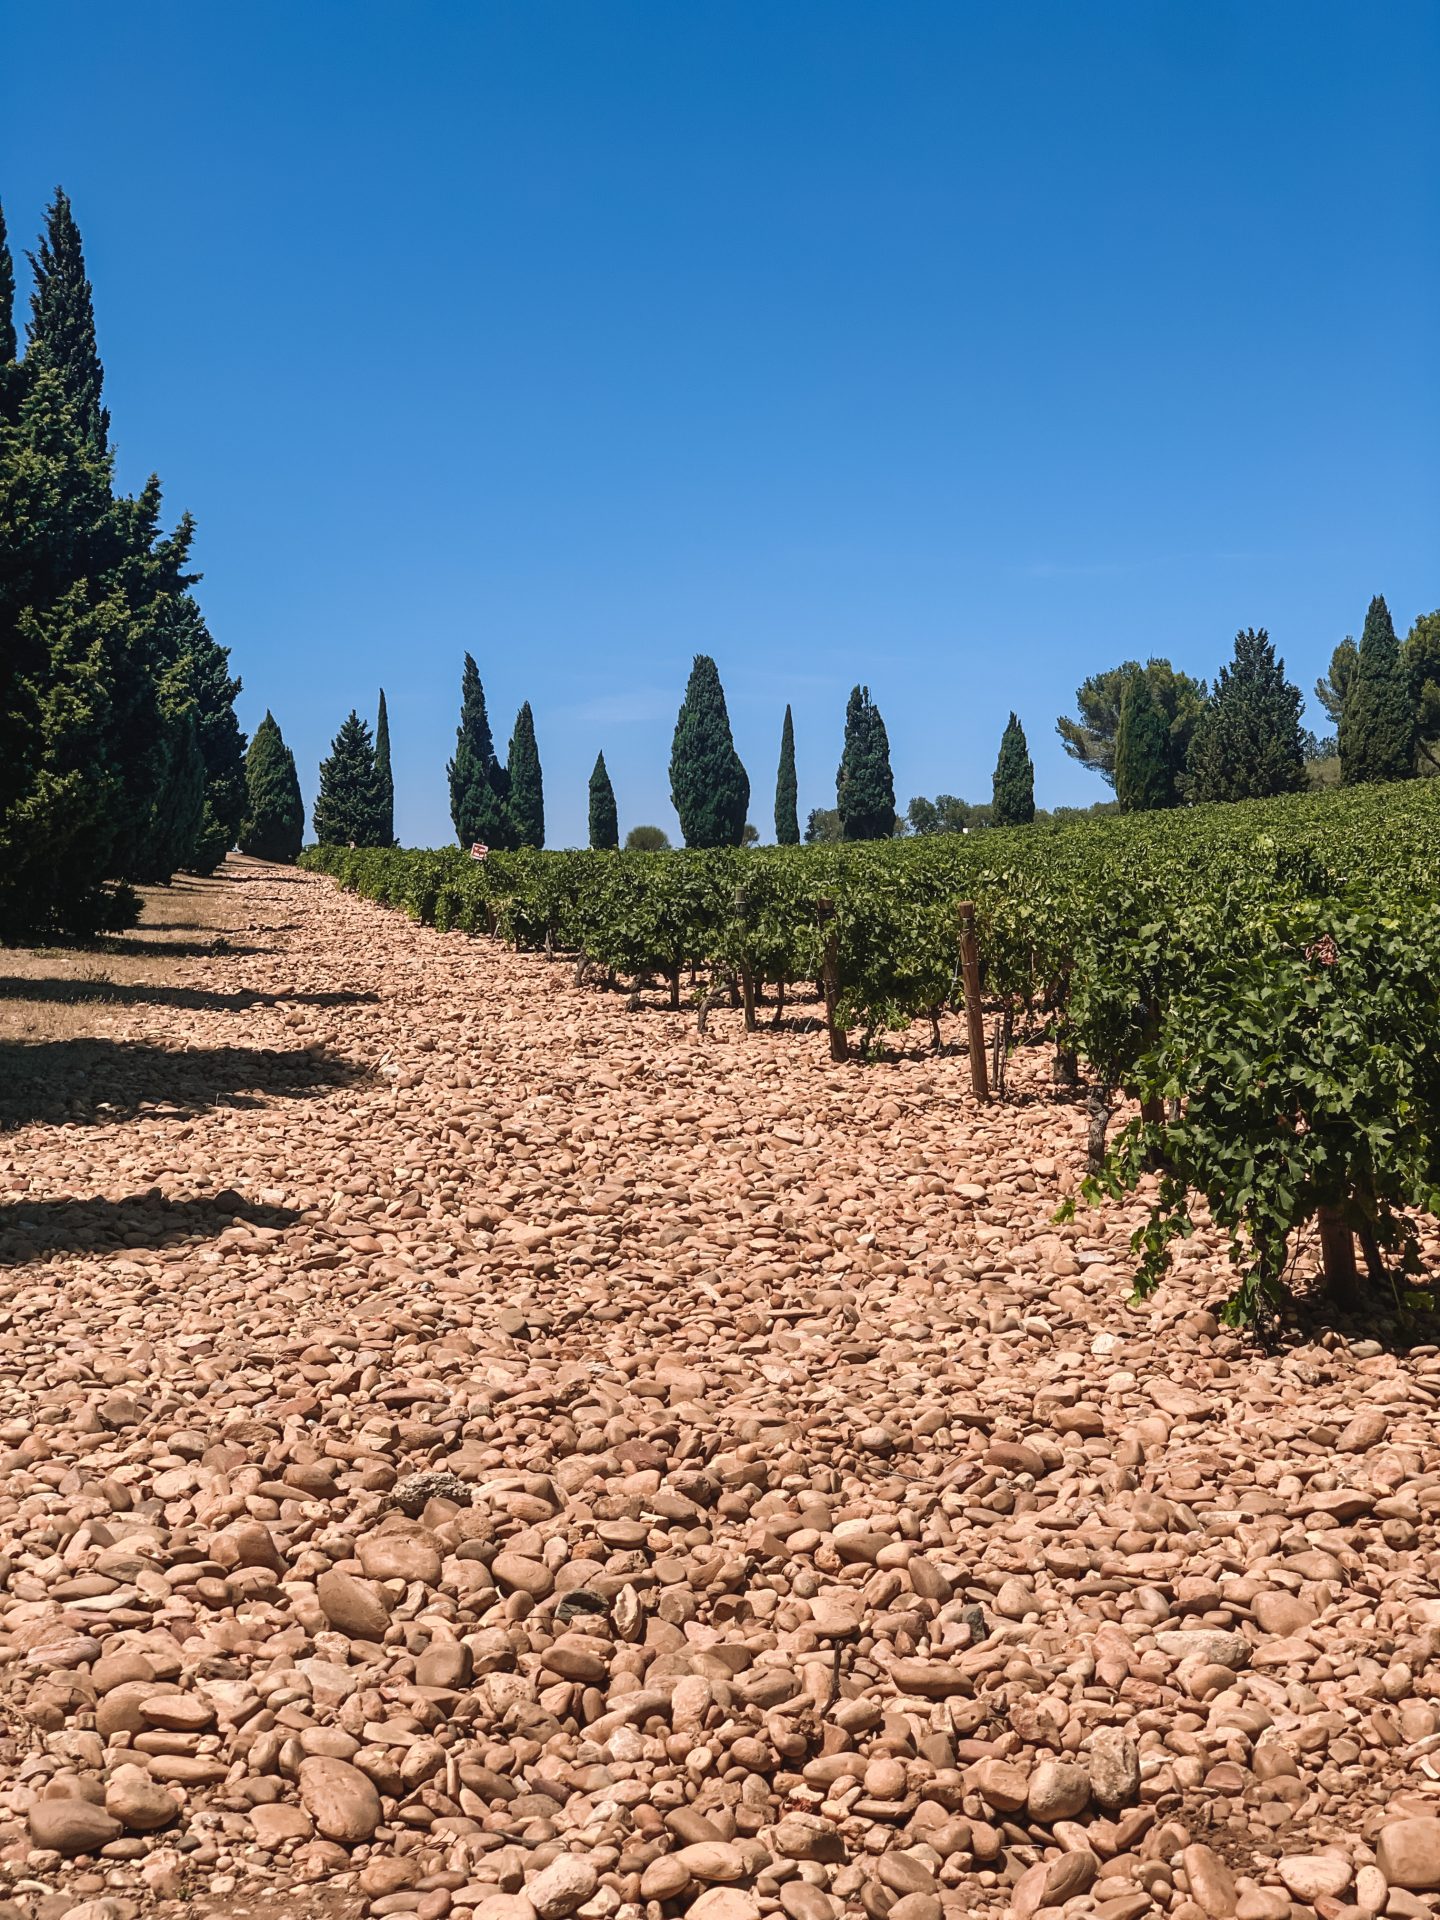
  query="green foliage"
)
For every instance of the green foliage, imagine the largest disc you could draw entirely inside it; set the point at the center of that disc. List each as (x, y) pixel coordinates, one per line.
(8, 344)
(1247, 745)
(527, 793)
(61, 333)
(478, 787)
(604, 820)
(946, 814)
(274, 823)
(1142, 771)
(1377, 722)
(1332, 687)
(822, 827)
(222, 744)
(864, 784)
(787, 819)
(384, 779)
(1014, 801)
(348, 803)
(646, 840)
(709, 788)
(1093, 737)
(1422, 662)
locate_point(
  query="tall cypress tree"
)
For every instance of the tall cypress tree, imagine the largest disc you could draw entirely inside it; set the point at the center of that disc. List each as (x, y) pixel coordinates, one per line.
(604, 821)
(274, 824)
(384, 779)
(62, 324)
(787, 818)
(9, 345)
(1247, 745)
(1377, 721)
(347, 805)
(477, 800)
(864, 784)
(709, 787)
(222, 744)
(527, 787)
(1142, 772)
(1014, 789)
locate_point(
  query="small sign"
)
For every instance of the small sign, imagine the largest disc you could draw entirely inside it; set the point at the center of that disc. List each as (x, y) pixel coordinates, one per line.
(479, 850)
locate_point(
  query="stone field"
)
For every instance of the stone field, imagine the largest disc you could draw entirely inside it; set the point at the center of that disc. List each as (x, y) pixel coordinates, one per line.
(470, 1447)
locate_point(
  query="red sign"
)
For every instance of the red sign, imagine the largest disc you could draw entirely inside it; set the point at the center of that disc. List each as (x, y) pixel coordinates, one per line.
(479, 850)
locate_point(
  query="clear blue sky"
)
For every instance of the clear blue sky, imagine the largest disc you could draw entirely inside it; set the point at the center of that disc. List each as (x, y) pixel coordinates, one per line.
(958, 349)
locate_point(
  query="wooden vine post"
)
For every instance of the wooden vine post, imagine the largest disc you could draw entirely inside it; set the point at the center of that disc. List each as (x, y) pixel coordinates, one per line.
(830, 980)
(974, 1015)
(747, 978)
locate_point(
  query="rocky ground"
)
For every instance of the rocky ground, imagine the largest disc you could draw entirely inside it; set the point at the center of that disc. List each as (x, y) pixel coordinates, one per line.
(468, 1448)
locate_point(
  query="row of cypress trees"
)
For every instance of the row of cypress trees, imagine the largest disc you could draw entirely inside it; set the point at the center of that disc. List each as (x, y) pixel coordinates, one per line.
(355, 802)
(121, 760)
(498, 806)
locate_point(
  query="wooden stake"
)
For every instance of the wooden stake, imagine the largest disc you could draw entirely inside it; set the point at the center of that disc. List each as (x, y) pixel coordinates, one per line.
(747, 978)
(974, 1015)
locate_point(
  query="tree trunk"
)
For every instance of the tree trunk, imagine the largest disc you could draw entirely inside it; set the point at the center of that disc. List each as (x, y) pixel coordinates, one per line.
(1098, 1102)
(1337, 1255)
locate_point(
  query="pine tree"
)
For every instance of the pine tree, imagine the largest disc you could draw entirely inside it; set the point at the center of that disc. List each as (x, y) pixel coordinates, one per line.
(9, 345)
(1377, 721)
(604, 821)
(709, 788)
(274, 824)
(1092, 738)
(477, 781)
(787, 818)
(62, 325)
(347, 804)
(384, 779)
(1014, 791)
(1248, 744)
(864, 784)
(1142, 772)
(222, 744)
(527, 787)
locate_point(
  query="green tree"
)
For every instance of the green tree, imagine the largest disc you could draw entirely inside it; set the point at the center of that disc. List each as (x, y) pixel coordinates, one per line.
(274, 823)
(1142, 767)
(347, 805)
(1331, 688)
(646, 840)
(709, 788)
(384, 779)
(822, 827)
(1091, 739)
(9, 344)
(864, 784)
(1422, 662)
(527, 788)
(222, 744)
(787, 819)
(1248, 745)
(1377, 722)
(1014, 792)
(62, 325)
(946, 814)
(477, 780)
(604, 820)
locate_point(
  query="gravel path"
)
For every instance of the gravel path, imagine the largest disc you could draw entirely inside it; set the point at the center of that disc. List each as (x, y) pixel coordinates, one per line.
(466, 1447)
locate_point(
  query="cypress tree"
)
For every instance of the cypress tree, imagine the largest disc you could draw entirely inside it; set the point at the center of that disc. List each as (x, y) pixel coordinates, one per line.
(787, 818)
(62, 324)
(527, 787)
(864, 784)
(274, 824)
(1377, 721)
(384, 779)
(604, 821)
(477, 798)
(1014, 789)
(1142, 773)
(709, 788)
(9, 346)
(1248, 745)
(222, 744)
(347, 805)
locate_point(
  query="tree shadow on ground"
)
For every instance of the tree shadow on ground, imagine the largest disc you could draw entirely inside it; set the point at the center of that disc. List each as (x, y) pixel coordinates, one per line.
(198, 999)
(129, 946)
(31, 1228)
(87, 1082)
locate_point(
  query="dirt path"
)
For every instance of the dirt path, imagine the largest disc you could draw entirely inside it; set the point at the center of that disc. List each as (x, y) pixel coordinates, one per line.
(819, 1530)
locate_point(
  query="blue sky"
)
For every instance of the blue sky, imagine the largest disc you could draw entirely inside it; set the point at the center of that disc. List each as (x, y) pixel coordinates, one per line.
(959, 350)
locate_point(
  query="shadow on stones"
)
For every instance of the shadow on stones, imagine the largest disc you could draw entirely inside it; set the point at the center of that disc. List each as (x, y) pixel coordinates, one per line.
(31, 1228)
(138, 994)
(88, 1082)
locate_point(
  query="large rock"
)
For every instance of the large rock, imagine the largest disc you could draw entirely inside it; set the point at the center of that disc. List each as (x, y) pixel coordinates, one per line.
(1408, 1854)
(351, 1607)
(557, 1890)
(340, 1800)
(69, 1825)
